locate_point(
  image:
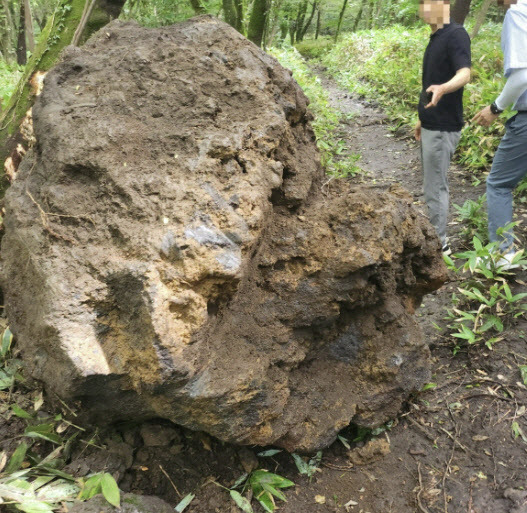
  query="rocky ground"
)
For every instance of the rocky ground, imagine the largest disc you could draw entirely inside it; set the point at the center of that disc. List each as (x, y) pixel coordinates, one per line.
(451, 449)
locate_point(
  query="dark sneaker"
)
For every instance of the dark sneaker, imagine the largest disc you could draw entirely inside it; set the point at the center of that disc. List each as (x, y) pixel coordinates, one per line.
(446, 250)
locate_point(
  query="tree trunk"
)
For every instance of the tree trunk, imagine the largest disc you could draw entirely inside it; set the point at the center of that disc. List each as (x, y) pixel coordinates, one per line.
(7, 38)
(378, 12)
(277, 22)
(198, 7)
(302, 9)
(238, 7)
(359, 16)
(292, 32)
(56, 35)
(306, 26)
(257, 22)
(229, 12)
(460, 11)
(317, 31)
(341, 17)
(371, 13)
(21, 50)
(29, 26)
(480, 18)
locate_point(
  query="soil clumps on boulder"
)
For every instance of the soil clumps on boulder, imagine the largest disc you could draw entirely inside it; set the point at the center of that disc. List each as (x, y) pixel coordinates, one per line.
(173, 249)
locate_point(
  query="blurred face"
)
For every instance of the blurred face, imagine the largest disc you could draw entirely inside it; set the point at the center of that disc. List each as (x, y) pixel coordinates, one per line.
(436, 14)
(507, 3)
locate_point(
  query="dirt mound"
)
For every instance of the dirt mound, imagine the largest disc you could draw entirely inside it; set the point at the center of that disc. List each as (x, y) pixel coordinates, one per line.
(170, 250)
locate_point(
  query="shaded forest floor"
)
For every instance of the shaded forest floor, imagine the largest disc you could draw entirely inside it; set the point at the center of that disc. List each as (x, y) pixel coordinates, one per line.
(451, 450)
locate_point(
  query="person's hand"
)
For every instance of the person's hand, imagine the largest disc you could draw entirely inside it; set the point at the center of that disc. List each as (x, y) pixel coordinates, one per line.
(417, 131)
(437, 93)
(485, 117)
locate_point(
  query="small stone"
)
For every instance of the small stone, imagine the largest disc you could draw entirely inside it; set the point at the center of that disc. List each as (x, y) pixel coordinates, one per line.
(320, 499)
(156, 435)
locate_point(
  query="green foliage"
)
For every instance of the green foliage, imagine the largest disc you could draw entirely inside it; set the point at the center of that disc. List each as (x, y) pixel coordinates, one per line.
(472, 216)
(385, 65)
(517, 431)
(429, 386)
(315, 49)
(523, 371)
(100, 483)
(10, 367)
(269, 453)
(308, 467)
(9, 76)
(363, 433)
(156, 13)
(265, 487)
(184, 503)
(486, 303)
(30, 482)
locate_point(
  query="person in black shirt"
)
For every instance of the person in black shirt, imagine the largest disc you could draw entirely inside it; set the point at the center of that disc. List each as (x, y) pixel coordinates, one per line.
(446, 70)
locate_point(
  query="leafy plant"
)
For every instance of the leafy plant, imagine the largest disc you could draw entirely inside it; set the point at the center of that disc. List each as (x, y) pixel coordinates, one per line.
(265, 486)
(363, 433)
(523, 371)
(486, 302)
(473, 217)
(9, 76)
(517, 431)
(184, 503)
(10, 367)
(308, 467)
(101, 483)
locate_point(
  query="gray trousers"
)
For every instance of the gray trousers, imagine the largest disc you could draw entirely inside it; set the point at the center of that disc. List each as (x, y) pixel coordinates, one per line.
(508, 168)
(437, 149)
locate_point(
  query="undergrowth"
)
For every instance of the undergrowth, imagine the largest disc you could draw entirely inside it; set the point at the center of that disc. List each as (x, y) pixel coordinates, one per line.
(485, 304)
(9, 76)
(32, 478)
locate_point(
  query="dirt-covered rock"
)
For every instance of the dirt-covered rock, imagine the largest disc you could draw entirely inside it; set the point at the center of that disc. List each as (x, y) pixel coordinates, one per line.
(173, 250)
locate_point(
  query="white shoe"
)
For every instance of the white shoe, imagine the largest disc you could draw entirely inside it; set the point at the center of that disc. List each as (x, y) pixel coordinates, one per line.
(505, 262)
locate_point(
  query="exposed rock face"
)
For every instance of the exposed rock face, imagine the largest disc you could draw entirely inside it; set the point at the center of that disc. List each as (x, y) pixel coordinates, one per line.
(171, 251)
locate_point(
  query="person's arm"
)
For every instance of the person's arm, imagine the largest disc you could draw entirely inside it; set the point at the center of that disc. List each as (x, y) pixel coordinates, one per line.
(516, 85)
(417, 131)
(459, 80)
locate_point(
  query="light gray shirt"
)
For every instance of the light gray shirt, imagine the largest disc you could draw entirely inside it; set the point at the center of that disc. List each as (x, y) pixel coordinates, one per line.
(514, 46)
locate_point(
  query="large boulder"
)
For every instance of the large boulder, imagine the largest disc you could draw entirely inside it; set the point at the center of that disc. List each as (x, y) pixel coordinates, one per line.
(173, 250)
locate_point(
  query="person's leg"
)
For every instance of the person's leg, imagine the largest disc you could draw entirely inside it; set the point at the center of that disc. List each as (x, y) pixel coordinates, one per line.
(508, 168)
(437, 149)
